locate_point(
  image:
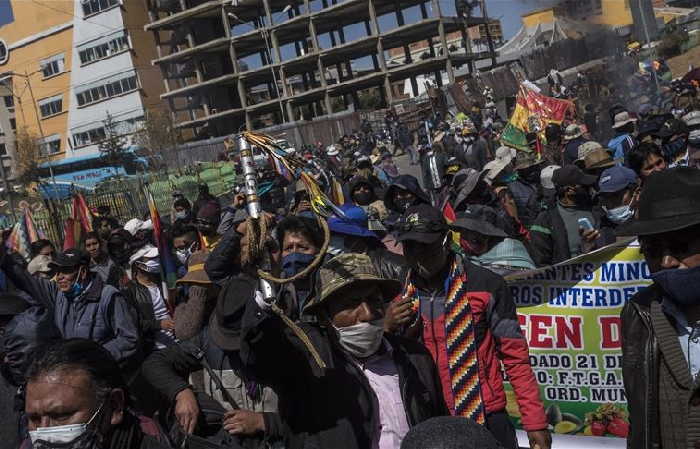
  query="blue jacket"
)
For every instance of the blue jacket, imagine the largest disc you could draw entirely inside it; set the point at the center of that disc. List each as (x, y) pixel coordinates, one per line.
(100, 313)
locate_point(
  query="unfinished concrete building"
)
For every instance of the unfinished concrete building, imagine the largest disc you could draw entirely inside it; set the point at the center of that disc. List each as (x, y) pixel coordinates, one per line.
(228, 63)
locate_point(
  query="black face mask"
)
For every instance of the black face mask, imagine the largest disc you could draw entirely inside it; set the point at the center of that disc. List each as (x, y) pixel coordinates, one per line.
(582, 198)
(363, 199)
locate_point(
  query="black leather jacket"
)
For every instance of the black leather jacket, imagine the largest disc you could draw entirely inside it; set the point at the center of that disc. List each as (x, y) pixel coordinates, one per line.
(640, 356)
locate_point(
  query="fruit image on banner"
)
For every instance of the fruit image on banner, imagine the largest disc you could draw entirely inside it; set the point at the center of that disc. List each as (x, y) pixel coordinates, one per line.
(570, 315)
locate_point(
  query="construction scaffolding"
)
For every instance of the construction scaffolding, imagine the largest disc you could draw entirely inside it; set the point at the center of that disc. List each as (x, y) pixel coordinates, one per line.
(227, 63)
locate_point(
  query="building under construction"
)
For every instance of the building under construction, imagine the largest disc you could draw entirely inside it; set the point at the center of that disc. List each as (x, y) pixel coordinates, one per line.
(233, 63)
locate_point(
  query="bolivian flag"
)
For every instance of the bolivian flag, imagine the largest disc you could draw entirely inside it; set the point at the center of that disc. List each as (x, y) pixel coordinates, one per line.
(533, 112)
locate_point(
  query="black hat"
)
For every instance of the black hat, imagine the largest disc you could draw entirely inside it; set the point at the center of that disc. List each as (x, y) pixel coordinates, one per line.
(481, 219)
(670, 200)
(571, 175)
(226, 321)
(70, 258)
(672, 127)
(11, 304)
(421, 223)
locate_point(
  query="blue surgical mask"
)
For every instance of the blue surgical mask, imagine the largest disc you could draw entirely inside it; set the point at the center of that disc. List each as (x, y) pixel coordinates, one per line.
(620, 214)
(294, 263)
(681, 285)
(76, 289)
(181, 215)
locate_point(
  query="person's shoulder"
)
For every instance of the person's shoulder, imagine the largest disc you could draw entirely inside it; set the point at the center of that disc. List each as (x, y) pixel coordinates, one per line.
(484, 275)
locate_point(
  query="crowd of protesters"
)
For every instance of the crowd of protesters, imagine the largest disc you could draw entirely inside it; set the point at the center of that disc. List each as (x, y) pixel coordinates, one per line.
(396, 332)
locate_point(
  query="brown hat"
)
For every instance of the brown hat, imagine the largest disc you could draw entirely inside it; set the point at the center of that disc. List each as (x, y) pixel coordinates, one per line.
(195, 270)
(349, 270)
(598, 158)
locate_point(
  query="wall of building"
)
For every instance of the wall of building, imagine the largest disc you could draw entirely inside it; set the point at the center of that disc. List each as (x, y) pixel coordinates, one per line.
(39, 30)
(537, 17)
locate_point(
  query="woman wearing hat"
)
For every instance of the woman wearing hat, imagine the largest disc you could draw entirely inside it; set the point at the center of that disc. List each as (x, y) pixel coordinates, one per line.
(484, 240)
(358, 388)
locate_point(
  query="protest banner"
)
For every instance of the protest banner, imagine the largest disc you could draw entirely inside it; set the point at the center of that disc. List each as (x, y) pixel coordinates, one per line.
(570, 314)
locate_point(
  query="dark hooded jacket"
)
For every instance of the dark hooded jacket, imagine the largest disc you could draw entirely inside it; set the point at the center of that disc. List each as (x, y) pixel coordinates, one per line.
(404, 182)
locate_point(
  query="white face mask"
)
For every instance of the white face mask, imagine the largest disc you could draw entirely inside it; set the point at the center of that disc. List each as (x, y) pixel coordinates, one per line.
(362, 339)
(61, 434)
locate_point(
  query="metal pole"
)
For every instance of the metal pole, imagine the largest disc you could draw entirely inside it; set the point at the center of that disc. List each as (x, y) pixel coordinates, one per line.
(648, 39)
(253, 205)
(38, 122)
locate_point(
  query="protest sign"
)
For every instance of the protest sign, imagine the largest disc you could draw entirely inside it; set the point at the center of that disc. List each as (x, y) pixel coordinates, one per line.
(570, 314)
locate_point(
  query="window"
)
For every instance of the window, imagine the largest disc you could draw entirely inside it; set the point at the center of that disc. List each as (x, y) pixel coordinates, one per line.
(109, 89)
(51, 106)
(89, 137)
(105, 48)
(3, 149)
(9, 101)
(95, 6)
(50, 145)
(13, 124)
(52, 66)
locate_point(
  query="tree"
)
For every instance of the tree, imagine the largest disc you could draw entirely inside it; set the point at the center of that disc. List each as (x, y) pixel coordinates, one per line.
(27, 154)
(158, 137)
(114, 145)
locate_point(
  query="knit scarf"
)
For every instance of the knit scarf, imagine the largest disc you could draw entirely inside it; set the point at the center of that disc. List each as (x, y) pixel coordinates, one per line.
(461, 343)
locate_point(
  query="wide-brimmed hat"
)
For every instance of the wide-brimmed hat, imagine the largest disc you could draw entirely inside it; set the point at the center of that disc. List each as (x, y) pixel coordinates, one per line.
(421, 223)
(332, 150)
(622, 119)
(670, 200)
(480, 219)
(195, 270)
(598, 158)
(572, 132)
(570, 175)
(527, 159)
(349, 271)
(585, 148)
(355, 222)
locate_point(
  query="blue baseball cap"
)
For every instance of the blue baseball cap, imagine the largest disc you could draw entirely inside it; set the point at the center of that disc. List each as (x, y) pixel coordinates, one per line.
(615, 179)
(354, 222)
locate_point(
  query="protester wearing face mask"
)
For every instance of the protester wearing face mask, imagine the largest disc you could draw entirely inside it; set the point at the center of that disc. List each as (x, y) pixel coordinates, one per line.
(207, 223)
(362, 192)
(484, 240)
(617, 191)
(144, 292)
(76, 398)
(659, 383)
(182, 212)
(83, 305)
(369, 398)
(473, 150)
(185, 243)
(570, 228)
(444, 290)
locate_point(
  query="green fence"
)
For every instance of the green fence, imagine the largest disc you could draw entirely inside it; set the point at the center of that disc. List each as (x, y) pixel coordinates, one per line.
(126, 197)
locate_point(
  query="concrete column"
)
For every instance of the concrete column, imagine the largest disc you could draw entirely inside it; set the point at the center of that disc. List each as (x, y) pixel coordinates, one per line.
(389, 98)
(443, 42)
(268, 12)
